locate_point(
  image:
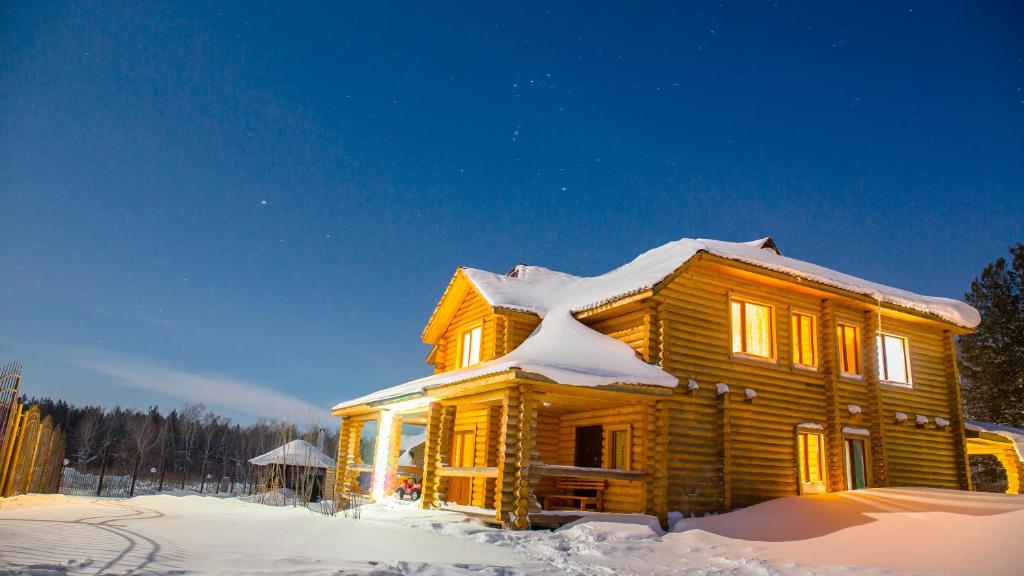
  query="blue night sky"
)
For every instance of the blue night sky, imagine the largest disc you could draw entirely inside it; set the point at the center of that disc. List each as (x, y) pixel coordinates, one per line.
(258, 206)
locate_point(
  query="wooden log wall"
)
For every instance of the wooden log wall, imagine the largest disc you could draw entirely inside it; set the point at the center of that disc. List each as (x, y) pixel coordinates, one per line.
(472, 309)
(691, 318)
(625, 496)
(921, 455)
(630, 324)
(480, 420)
(828, 364)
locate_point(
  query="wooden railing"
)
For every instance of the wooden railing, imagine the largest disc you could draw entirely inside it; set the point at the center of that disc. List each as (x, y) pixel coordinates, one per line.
(580, 472)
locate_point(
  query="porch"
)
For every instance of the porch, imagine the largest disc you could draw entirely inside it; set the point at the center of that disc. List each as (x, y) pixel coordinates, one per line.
(519, 451)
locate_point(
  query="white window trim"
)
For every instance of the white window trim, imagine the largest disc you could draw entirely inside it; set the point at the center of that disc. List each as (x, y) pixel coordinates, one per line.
(462, 347)
(906, 360)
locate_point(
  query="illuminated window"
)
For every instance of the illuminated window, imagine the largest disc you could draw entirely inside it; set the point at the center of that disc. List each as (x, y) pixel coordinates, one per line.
(618, 448)
(805, 349)
(893, 365)
(752, 329)
(811, 447)
(849, 349)
(470, 349)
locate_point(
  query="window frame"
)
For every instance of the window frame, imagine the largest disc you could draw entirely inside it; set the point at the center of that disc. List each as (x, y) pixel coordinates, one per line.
(883, 369)
(608, 453)
(811, 486)
(468, 329)
(840, 351)
(794, 313)
(773, 334)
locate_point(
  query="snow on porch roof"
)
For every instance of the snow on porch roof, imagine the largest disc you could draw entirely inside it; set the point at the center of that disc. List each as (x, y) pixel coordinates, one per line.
(1015, 435)
(295, 453)
(565, 351)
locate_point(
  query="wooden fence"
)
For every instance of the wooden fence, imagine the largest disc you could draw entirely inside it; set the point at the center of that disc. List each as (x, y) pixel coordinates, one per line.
(31, 449)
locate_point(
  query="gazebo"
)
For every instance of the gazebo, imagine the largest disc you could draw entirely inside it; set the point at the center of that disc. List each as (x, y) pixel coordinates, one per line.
(301, 464)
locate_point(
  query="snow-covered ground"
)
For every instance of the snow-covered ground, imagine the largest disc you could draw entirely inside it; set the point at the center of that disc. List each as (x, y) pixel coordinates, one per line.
(889, 531)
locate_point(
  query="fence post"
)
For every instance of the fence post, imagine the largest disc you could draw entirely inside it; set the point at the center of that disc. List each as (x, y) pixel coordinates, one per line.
(103, 472)
(135, 474)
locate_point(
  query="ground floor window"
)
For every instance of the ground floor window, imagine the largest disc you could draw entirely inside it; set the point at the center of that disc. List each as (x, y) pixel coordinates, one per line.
(619, 448)
(811, 454)
(589, 446)
(854, 453)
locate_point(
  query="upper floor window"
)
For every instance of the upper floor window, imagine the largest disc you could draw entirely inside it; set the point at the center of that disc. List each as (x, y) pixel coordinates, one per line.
(893, 360)
(469, 348)
(849, 349)
(804, 331)
(752, 331)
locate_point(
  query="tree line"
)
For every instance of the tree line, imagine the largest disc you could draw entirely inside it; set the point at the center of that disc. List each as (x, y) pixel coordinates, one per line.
(191, 448)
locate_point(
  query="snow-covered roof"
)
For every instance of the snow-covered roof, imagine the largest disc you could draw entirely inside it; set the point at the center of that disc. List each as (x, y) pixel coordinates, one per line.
(565, 351)
(535, 289)
(295, 453)
(1015, 435)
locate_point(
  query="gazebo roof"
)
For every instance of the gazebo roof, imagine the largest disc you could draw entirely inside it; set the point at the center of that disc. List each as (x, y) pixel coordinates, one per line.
(295, 453)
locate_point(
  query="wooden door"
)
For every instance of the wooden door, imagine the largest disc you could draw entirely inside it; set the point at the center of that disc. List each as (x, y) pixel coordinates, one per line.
(463, 448)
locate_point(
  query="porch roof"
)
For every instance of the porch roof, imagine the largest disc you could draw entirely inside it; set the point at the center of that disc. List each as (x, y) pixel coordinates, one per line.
(1011, 434)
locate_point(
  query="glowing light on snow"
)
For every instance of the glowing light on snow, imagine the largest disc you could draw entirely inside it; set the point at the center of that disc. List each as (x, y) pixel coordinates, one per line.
(381, 453)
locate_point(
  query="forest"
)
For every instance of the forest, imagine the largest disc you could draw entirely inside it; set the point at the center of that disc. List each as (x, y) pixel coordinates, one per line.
(192, 448)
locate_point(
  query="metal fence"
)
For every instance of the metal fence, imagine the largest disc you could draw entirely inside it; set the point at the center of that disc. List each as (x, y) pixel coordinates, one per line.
(31, 449)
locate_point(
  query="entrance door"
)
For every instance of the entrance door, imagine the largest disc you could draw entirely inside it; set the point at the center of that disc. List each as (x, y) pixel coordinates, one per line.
(856, 469)
(463, 446)
(589, 440)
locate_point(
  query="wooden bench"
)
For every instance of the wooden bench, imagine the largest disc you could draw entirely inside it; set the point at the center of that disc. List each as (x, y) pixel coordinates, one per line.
(567, 488)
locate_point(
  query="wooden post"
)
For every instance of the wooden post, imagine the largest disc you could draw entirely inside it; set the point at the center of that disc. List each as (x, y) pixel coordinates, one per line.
(725, 451)
(876, 418)
(428, 495)
(444, 448)
(505, 497)
(657, 457)
(956, 413)
(830, 373)
(103, 471)
(394, 452)
(524, 500)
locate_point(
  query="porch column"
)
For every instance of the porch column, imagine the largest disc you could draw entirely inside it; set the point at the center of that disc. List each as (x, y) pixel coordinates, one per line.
(656, 461)
(428, 493)
(347, 477)
(517, 451)
(869, 345)
(830, 373)
(394, 452)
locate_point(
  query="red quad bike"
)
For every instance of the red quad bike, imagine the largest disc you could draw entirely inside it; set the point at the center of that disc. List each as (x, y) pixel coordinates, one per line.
(409, 490)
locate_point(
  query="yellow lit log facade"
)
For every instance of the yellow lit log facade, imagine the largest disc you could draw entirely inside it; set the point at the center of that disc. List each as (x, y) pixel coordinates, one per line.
(726, 436)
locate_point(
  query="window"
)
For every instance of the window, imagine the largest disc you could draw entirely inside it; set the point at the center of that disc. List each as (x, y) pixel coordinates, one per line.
(469, 350)
(805, 349)
(856, 466)
(588, 446)
(752, 329)
(893, 365)
(618, 448)
(849, 349)
(810, 446)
